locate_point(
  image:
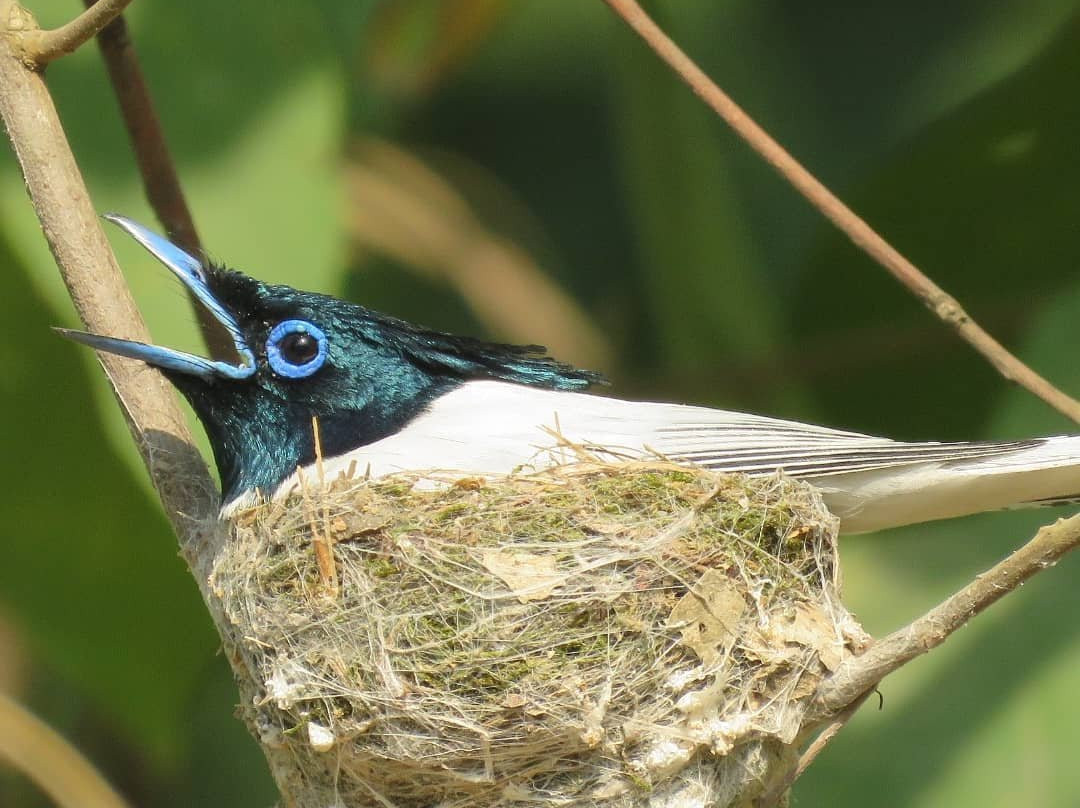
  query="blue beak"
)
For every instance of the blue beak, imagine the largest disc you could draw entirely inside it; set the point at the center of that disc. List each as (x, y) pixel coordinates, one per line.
(190, 272)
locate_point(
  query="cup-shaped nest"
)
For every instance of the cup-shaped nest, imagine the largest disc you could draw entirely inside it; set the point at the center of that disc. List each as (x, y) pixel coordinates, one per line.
(605, 635)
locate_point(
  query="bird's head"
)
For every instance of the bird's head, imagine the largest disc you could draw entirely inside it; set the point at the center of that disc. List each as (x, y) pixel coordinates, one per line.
(361, 374)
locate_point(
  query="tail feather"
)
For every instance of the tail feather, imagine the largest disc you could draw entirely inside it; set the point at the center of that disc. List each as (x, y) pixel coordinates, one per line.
(1047, 473)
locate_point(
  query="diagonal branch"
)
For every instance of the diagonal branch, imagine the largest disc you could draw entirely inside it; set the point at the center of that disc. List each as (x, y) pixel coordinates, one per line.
(861, 234)
(859, 674)
(89, 269)
(840, 696)
(42, 47)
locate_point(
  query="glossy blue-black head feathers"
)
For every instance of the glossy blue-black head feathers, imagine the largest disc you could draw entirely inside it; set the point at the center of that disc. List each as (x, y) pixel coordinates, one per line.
(361, 374)
(257, 306)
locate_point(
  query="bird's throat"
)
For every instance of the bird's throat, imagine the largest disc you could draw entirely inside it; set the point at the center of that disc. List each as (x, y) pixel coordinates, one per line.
(258, 441)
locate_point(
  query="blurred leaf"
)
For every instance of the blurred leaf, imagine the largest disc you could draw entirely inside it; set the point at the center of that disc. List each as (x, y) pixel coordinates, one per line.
(90, 569)
(253, 112)
(227, 768)
(880, 73)
(507, 156)
(408, 212)
(412, 44)
(707, 296)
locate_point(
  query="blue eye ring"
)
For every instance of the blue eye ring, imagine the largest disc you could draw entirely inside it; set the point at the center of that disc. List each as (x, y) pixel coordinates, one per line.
(302, 364)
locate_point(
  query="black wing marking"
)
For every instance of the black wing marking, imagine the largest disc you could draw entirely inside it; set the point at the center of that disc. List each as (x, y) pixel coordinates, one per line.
(805, 453)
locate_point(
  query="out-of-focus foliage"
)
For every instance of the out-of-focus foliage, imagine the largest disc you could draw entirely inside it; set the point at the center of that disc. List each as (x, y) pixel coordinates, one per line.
(540, 177)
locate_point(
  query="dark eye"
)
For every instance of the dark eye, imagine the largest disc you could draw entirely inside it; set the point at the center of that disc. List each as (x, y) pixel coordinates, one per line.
(296, 348)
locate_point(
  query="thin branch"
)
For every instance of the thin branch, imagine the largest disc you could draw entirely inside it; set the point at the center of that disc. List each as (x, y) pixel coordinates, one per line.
(37, 750)
(160, 181)
(859, 674)
(42, 47)
(774, 795)
(861, 234)
(97, 288)
(89, 269)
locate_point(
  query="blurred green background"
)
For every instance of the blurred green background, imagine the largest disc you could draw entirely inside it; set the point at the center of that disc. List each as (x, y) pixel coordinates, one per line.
(528, 171)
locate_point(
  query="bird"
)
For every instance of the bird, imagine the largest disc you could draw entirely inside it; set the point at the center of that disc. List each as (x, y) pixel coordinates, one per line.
(388, 396)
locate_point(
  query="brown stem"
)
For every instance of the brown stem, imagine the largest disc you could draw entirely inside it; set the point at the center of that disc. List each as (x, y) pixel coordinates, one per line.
(861, 673)
(41, 47)
(160, 181)
(73, 231)
(775, 795)
(97, 288)
(860, 233)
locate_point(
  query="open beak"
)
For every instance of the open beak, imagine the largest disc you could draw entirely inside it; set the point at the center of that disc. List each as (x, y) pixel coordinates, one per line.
(190, 272)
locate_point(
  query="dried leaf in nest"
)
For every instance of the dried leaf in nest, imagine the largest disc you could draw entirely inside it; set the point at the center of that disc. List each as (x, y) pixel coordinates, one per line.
(528, 576)
(708, 616)
(597, 635)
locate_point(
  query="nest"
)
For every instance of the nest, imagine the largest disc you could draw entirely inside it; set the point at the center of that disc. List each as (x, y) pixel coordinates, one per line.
(596, 635)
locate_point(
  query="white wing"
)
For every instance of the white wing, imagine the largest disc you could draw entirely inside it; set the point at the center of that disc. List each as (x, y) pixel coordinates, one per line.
(491, 428)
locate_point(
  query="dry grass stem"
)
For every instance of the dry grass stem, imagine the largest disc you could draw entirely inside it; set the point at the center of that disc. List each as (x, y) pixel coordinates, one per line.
(324, 550)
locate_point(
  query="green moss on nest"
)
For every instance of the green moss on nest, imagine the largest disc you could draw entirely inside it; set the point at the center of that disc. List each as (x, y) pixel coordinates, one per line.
(596, 635)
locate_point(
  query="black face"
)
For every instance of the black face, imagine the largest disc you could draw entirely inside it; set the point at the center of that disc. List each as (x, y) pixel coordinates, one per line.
(363, 375)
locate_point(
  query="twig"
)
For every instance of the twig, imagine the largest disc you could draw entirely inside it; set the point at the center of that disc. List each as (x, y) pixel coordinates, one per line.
(775, 794)
(41, 47)
(104, 302)
(38, 751)
(160, 181)
(859, 674)
(861, 234)
(73, 231)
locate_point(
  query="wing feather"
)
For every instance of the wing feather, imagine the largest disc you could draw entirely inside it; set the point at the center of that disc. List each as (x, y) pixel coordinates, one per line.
(810, 460)
(490, 427)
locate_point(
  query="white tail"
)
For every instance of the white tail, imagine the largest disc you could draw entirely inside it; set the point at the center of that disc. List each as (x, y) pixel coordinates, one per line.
(1046, 473)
